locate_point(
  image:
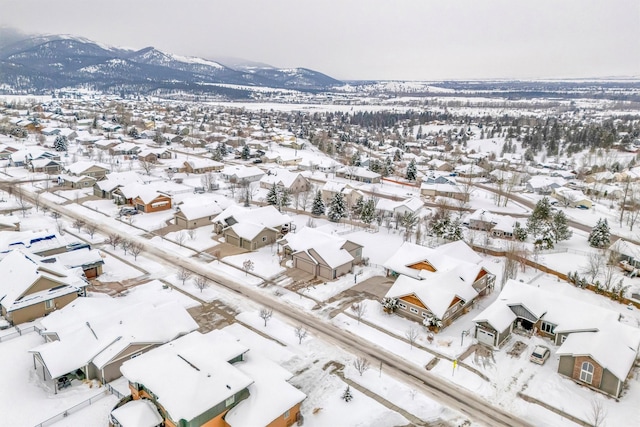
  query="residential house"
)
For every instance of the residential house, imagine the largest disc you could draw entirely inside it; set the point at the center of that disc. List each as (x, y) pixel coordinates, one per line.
(241, 174)
(92, 337)
(74, 181)
(350, 193)
(251, 228)
(481, 220)
(125, 149)
(543, 185)
(9, 223)
(281, 159)
(149, 200)
(470, 171)
(324, 255)
(626, 252)
(294, 182)
(31, 289)
(87, 169)
(105, 188)
(437, 285)
(196, 214)
(106, 144)
(388, 207)
(432, 189)
(595, 348)
(570, 197)
(199, 165)
(209, 380)
(359, 174)
(48, 166)
(439, 165)
(87, 259)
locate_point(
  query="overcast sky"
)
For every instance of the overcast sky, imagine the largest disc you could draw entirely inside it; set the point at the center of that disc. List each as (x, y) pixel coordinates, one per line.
(365, 39)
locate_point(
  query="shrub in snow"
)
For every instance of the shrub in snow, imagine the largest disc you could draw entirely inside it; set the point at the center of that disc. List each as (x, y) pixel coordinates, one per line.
(389, 304)
(347, 396)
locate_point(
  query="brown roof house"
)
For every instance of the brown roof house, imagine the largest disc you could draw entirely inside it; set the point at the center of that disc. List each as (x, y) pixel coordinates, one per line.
(149, 200)
(92, 337)
(324, 255)
(208, 380)
(31, 289)
(437, 285)
(595, 349)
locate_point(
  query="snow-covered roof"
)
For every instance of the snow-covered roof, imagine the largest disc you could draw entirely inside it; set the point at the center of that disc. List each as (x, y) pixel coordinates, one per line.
(438, 290)
(190, 375)
(358, 171)
(20, 270)
(80, 167)
(137, 413)
(614, 346)
(443, 257)
(117, 179)
(98, 329)
(332, 253)
(266, 216)
(280, 176)
(270, 395)
(241, 171)
(440, 188)
(193, 211)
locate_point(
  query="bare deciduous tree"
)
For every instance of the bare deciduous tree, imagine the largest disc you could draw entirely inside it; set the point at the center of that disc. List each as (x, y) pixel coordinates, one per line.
(135, 249)
(595, 264)
(358, 310)
(412, 335)
(265, 314)
(183, 275)
(180, 238)
(598, 413)
(78, 224)
(201, 283)
(192, 234)
(248, 266)
(125, 244)
(91, 229)
(114, 239)
(300, 333)
(146, 165)
(361, 364)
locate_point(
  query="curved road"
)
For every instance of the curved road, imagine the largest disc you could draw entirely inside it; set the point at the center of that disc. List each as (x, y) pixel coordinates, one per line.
(437, 388)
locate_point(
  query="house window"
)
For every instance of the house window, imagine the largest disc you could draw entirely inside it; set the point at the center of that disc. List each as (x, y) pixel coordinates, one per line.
(563, 339)
(403, 306)
(414, 310)
(586, 372)
(287, 414)
(230, 401)
(425, 314)
(134, 355)
(49, 304)
(264, 238)
(548, 327)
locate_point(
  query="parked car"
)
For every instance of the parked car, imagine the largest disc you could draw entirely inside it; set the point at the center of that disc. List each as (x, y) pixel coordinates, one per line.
(583, 207)
(128, 211)
(540, 354)
(199, 190)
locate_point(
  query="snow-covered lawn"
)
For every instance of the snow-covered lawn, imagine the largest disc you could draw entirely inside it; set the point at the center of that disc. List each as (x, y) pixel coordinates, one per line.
(154, 292)
(266, 262)
(114, 270)
(201, 238)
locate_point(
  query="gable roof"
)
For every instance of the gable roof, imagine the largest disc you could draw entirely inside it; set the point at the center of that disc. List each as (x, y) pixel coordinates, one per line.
(20, 271)
(97, 329)
(189, 375)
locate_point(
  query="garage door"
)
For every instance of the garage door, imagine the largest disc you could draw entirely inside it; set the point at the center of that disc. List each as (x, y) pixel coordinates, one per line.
(485, 337)
(304, 265)
(232, 240)
(91, 273)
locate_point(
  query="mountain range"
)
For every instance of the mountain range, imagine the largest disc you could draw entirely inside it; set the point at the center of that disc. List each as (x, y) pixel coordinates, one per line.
(44, 63)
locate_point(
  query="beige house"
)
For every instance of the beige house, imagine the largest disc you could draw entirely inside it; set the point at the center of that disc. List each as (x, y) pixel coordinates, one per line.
(31, 289)
(92, 337)
(77, 182)
(201, 166)
(251, 228)
(194, 215)
(87, 169)
(294, 182)
(321, 254)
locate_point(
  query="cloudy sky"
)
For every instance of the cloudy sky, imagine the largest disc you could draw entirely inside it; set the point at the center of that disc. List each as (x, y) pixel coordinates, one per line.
(365, 39)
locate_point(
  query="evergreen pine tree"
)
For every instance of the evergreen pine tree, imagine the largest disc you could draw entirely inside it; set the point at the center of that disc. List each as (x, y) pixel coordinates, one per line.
(272, 195)
(600, 235)
(357, 209)
(453, 231)
(387, 169)
(540, 217)
(246, 152)
(337, 208)
(60, 144)
(412, 171)
(560, 228)
(545, 236)
(284, 198)
(368, 211)
(318, 207)
(347, 396)
(519, 233)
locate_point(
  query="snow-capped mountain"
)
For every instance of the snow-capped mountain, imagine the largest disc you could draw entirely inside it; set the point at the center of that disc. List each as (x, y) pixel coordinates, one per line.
(50, 62)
